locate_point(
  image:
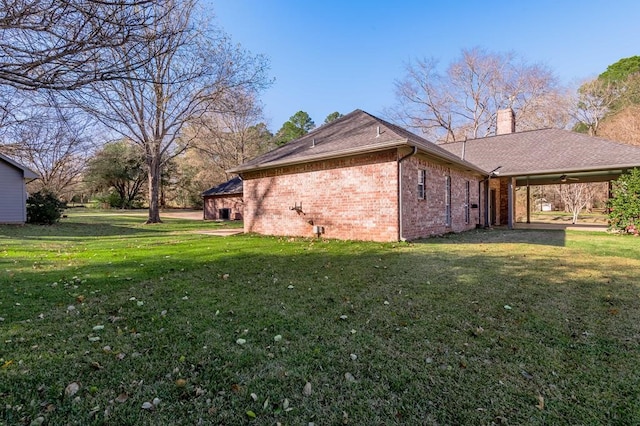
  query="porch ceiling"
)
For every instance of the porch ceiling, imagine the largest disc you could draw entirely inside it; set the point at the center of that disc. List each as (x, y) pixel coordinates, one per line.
(569, 176)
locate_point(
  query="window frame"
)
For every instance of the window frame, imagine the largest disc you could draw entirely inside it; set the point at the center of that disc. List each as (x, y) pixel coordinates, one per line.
(467, 202)
(422, 184)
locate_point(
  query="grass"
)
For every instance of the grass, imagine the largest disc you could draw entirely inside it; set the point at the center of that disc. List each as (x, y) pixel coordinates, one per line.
(517, 327)
(560, 217)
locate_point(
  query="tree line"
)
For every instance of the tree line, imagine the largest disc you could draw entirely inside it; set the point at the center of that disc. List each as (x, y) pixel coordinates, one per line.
(148, 102)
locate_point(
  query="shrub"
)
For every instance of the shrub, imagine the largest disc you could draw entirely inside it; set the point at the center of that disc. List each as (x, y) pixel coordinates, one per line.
(44, 208)
(625, 203)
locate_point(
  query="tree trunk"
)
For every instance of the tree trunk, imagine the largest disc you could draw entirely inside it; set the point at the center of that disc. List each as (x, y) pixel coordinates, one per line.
(154, 190)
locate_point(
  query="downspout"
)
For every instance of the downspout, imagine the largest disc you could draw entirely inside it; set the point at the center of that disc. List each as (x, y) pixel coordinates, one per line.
(400, 160)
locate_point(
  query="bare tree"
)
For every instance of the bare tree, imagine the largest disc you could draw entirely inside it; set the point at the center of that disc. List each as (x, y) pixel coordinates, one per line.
(184, 77)
(54, 142)
(623, 126)
(463, 102)
(577, 196)
(65, 44)
(234, 135)
(593, 101)
(223, 140)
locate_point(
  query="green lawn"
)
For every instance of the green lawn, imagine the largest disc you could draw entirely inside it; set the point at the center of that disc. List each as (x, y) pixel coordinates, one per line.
(505, 327)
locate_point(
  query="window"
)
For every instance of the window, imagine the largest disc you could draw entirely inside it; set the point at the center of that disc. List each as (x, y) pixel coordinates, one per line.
(422, 178)
(447, 201)
(467, 199)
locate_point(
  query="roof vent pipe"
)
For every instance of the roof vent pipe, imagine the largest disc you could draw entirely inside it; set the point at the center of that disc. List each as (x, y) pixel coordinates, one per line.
(313, 142)
(378, 132)
(464, 148)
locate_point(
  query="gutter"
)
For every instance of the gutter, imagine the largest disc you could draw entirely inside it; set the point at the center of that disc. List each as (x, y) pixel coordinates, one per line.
(413, 152)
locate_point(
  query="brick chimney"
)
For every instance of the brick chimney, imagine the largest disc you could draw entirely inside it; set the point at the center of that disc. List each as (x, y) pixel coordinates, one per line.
(506, 122)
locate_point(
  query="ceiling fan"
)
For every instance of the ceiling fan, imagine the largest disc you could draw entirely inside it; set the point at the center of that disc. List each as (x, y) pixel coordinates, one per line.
(565, 178)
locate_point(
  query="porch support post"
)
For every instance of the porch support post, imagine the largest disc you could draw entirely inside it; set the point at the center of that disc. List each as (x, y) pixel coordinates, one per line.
(486, 203)
(510, 201)
(528, 202)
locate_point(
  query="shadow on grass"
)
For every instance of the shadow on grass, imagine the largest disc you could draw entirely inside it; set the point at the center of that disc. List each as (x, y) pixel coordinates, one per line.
(109, 226)
(554, 237)
(433, 335)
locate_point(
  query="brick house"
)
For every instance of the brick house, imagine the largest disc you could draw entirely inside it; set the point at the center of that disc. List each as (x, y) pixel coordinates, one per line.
(540, 157)
(361, 178)
(225, 201)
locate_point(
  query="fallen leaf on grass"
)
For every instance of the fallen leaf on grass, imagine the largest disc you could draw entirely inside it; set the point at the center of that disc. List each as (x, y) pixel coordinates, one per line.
(122, 398)
(38, 421)
(307, 389)
(148, 406)
(181, 383)
(251, 414)
(71, 389)
(349, 377)
(540, 403)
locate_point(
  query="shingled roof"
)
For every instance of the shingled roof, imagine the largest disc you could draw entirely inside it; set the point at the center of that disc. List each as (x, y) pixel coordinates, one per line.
(230, 187)
(547, 151)
(26, 172)
(355, 133)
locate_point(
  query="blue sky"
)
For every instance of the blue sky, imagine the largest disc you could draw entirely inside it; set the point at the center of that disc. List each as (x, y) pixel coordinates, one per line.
(341, 55)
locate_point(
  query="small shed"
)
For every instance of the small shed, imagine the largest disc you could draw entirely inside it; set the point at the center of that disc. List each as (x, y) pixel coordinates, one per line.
(13, 190)
(224, 202)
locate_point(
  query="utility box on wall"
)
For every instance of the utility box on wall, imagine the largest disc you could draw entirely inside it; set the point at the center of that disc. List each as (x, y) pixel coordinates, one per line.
(318, 230)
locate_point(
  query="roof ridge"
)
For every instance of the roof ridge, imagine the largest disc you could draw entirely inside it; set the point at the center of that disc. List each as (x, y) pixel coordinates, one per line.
(323, 125)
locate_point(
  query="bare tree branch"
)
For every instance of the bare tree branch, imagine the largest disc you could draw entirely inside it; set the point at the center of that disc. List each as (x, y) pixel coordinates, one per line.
(463, 101)
(66, 44)
(54, 142)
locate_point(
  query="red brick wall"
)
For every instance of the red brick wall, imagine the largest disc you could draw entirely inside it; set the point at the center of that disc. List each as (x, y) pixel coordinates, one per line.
(213, 204)
(352, 198)
(423, 218)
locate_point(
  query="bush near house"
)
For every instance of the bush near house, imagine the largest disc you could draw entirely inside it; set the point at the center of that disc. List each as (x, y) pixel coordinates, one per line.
(625, 203)
(44, 208)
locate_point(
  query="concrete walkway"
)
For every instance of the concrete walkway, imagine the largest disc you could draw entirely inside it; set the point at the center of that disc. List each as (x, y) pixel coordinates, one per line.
(595, 227)
(221, 232)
